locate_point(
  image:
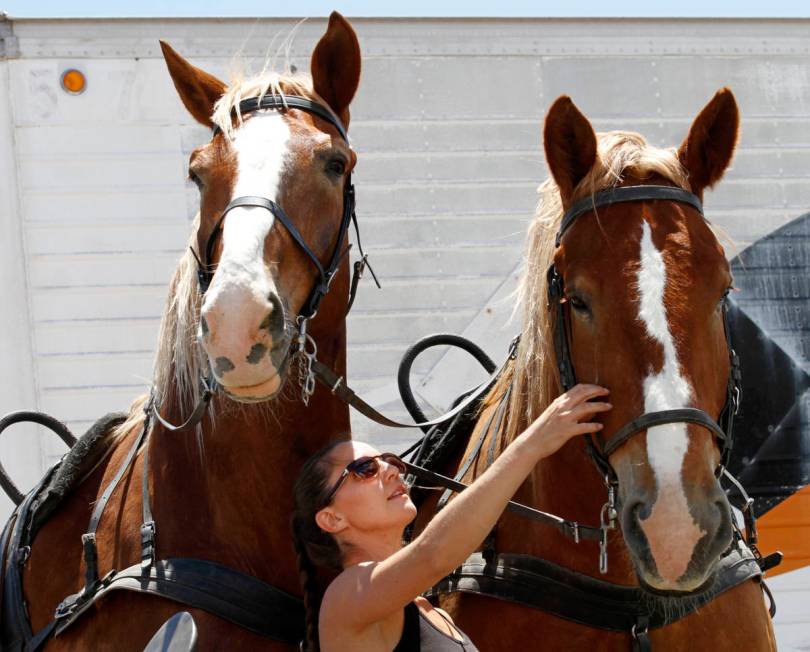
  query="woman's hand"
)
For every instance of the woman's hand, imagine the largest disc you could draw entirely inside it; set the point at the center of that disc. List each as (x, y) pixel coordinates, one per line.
(567, 416)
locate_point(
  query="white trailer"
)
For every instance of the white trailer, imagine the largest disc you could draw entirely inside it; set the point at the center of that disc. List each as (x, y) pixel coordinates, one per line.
(95, 209)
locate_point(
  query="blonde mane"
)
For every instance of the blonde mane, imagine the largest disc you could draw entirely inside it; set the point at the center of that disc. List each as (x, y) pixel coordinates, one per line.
(533, 375)
(180, 361)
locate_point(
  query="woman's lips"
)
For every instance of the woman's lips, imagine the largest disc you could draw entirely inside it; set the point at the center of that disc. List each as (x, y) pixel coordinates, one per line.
(401, 491)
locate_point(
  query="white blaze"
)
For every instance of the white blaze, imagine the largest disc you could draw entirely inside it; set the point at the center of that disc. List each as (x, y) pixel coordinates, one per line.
(261, 147)
(668, 389)
(670, 525)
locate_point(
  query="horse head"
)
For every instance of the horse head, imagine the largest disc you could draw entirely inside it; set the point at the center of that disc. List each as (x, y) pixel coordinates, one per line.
(645, 284)
(274, 184)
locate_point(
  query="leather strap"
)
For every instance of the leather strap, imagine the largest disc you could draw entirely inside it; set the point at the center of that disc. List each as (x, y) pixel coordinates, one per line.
(272, 101)
(89, 538)
(241, 599)
(652, 419)
(54, 425)
(571, 529)
(208, 390)
(626, 194)
(337, 385)
(495, 418)
(543, 585)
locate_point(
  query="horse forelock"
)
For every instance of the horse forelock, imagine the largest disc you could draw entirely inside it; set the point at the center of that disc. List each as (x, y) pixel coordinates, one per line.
(533, 376)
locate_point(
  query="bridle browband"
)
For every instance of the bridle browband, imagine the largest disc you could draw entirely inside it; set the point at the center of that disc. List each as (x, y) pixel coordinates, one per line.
(722, 429)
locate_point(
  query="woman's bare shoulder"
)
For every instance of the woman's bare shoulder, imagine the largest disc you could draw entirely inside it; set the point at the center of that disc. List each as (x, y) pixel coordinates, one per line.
(344, 590)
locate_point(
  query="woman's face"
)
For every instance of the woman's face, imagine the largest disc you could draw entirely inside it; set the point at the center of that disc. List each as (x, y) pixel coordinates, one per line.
(379, 503)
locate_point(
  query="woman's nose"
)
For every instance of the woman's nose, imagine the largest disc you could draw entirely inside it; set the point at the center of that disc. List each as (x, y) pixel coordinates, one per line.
(389, 470)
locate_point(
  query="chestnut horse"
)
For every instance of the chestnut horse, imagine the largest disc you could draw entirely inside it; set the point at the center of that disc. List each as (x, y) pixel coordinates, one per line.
(645, 283)
(225, 494)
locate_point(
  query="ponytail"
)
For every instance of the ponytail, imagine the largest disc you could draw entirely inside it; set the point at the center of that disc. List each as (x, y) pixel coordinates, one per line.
(313, 546)
(312, 593)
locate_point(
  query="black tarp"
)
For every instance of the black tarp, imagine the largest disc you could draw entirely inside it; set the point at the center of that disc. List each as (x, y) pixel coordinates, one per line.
(770, 327)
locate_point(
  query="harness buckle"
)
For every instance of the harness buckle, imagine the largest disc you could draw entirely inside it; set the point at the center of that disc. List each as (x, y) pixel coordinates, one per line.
(575, 530)
(637, 631)
(25, 553)
(67, 606)
(337, 384)
(147, 544)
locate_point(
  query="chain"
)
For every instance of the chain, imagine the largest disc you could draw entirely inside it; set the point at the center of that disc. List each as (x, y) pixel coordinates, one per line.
(307, 352)
(607, 521)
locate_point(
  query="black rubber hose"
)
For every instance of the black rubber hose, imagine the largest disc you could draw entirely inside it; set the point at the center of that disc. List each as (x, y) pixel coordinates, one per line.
(42, 419)
(439, 339)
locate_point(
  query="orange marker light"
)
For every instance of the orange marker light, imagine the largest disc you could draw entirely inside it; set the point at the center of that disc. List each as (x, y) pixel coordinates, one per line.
(74, 81)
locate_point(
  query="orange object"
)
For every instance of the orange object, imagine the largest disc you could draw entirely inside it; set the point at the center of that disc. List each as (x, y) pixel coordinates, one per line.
(74, 81)
(787, 528)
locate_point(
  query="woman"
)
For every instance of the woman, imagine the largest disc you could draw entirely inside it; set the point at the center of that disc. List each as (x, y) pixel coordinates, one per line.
(352, 507)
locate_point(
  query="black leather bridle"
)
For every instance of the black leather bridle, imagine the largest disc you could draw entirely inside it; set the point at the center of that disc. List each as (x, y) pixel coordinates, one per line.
(303, 346)
(326, 273)
(722, 429)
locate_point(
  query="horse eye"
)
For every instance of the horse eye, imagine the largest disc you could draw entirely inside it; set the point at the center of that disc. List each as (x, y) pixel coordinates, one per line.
(578, 304)
(193, 177)
(336, 166)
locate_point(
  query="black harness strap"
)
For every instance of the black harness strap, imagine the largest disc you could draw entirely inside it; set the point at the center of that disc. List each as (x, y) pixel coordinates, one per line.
(91, 578)
(239, 598)
(209, 386)
(543, 585)
(626, 194)
(15, 629)
(495, 418)
(651, 419)
(337, 385)
(571, 529)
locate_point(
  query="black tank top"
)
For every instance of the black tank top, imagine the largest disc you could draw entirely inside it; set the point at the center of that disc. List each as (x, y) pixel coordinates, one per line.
(420, 635)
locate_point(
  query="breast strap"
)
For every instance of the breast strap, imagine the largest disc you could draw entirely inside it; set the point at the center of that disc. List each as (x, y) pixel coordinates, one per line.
(543, 585)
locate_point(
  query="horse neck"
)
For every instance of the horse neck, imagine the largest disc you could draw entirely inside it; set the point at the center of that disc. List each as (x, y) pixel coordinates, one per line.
(568, 485)
(231, 498)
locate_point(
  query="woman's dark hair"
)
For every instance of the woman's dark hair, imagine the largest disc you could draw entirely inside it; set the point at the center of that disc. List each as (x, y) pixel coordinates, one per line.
(313, 546)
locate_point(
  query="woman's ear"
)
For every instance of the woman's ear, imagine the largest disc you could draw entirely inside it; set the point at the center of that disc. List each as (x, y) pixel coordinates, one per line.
(330, 520)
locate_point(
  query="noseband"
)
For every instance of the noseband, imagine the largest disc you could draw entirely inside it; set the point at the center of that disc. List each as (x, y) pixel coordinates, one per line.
(722, 429)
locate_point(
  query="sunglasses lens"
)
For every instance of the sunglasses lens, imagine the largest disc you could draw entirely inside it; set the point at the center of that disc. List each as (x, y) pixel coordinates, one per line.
(393, 460)
(366, 468)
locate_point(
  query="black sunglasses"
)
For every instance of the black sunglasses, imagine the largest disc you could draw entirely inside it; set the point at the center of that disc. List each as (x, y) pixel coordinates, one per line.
(365, 468)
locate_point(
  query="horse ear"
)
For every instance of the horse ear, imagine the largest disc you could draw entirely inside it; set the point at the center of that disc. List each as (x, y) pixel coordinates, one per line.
(570, 145)
(708, 148)
(335, 66)
(197, 89)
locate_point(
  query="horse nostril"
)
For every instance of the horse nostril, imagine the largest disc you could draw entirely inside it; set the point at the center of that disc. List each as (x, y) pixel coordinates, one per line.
(274, 320)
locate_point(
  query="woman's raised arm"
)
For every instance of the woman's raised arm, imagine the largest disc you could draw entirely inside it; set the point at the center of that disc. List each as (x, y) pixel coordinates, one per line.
(371, 591)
